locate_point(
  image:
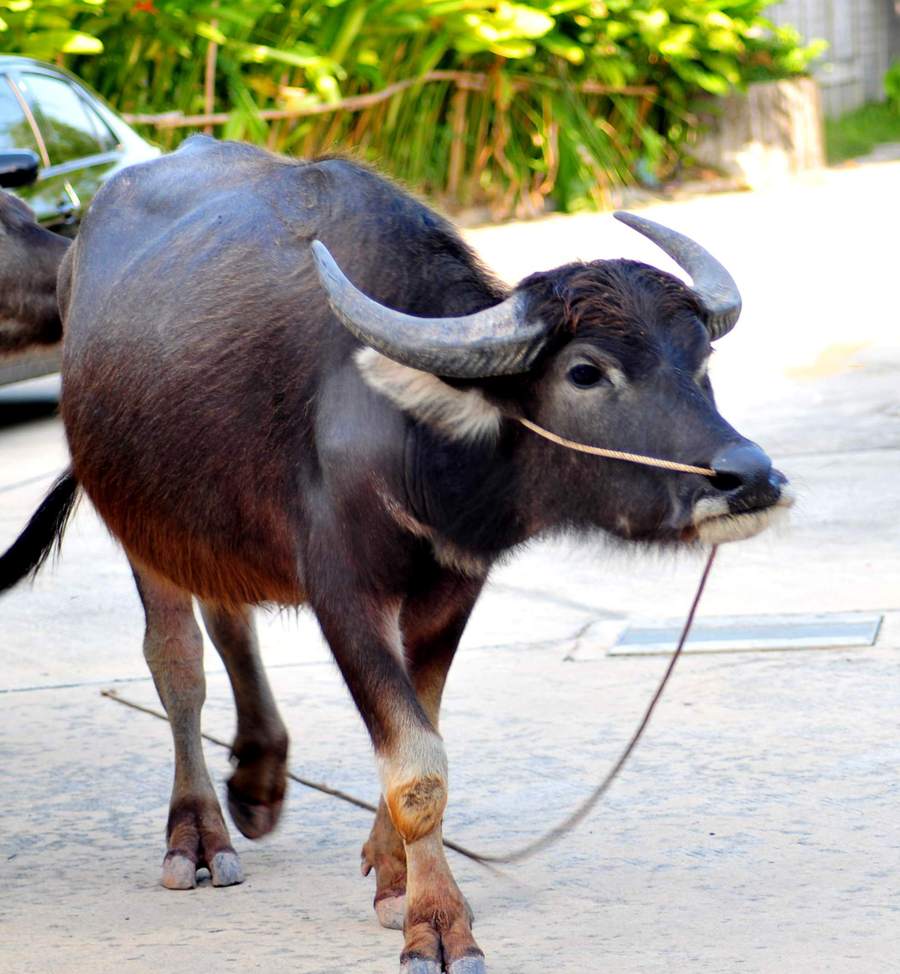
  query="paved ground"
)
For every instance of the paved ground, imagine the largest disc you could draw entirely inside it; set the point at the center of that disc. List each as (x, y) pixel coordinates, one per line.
(754, 831)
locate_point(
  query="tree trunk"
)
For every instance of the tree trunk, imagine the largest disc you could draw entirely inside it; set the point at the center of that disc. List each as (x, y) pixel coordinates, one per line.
(761, 136)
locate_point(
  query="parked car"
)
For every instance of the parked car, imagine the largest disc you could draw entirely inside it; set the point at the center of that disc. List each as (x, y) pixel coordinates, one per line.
(58, 143)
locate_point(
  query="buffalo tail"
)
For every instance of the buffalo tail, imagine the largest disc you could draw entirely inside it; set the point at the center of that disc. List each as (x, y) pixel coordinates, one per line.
(42, 534)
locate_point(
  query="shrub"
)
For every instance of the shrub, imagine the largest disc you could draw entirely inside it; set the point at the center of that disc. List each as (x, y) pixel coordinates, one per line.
(496, 100)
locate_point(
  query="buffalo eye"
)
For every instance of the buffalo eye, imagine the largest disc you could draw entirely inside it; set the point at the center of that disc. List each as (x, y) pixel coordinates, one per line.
(585, 376)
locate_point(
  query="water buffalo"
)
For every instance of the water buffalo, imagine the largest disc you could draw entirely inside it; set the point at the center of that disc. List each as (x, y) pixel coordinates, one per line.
(29, 261)
(255, 429)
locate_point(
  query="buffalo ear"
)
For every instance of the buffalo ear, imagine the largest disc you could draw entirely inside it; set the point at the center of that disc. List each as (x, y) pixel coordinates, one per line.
(461, 414)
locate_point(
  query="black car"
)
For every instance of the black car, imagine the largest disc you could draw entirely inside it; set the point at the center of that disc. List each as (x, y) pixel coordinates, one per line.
(58, 143)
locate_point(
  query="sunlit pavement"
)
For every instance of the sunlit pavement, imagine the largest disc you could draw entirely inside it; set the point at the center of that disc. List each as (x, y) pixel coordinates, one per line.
(755, 829)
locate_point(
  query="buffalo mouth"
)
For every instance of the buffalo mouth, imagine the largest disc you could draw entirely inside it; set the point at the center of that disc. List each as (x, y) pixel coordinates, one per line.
(714, 520)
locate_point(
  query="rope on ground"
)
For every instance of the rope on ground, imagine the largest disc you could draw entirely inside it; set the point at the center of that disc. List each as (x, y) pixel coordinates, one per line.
(580, 813)
(299, 779)
(553, 835)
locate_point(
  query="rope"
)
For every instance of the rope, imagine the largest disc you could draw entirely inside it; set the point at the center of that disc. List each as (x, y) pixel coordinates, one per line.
(315, 785)
(580, 813)
(599, 451)
(554, 834)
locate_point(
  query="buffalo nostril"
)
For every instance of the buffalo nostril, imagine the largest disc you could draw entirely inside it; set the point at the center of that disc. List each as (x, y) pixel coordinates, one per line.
(725, 481)
(740, 465)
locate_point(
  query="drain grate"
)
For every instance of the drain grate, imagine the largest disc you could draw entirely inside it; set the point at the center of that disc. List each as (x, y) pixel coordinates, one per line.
(827, 630)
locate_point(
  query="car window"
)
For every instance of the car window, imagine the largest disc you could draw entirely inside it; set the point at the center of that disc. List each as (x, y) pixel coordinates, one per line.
(104, 134)
(15, 130)
(63, 118)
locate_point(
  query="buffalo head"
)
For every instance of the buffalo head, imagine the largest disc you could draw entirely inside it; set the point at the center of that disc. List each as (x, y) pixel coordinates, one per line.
(607, 353)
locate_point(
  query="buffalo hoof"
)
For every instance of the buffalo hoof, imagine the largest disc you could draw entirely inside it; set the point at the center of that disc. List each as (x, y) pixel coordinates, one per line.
(438, 931)
(390, 908)
(257, 788)
(419, 965)
(464, 965)
(198, 837)
(468, 965)
(253, 819)
(179, 871)
(225, 869)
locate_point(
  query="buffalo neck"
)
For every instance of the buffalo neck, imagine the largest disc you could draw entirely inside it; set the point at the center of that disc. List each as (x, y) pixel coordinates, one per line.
(466, 491)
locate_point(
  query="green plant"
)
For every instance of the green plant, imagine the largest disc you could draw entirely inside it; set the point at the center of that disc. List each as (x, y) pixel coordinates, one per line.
(490, 100)
(858, 132)
(48, 29)
(892, 85)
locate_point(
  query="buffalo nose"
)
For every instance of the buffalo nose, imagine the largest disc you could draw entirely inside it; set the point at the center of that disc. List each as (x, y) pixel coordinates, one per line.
(741, 466)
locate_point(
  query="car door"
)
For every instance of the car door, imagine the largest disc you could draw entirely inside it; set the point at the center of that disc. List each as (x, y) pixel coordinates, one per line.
(18, 131)
(80, 149)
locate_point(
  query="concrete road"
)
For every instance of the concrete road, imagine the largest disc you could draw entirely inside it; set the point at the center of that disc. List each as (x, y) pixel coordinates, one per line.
(754, 831)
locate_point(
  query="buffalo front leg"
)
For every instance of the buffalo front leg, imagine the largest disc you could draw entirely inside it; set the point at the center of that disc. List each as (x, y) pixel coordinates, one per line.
(364, 636)
(383, 851)
(432, 620)
(256, 789)
(196, 833)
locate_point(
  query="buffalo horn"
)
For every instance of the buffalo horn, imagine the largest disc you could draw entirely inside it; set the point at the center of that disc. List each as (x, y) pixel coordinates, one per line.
(500, 340)
(713, 285)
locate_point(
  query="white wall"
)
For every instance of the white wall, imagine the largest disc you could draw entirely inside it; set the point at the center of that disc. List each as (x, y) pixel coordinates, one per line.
(863, 37)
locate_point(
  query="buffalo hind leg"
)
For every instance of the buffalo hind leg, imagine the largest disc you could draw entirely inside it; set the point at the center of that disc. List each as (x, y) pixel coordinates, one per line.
(432, 621)
(363, 631)
(196, 833)
(256, 789)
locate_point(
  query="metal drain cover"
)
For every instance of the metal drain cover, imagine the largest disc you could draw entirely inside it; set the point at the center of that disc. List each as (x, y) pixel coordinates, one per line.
(827, 630)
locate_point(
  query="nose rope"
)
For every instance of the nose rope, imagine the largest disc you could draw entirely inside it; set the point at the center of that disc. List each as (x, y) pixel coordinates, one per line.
(599, 451)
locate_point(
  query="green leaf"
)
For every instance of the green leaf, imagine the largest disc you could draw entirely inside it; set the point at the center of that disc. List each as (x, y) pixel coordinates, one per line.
(260, 54)
(441, 9)
(713, 83)
(512, 48)
(652, 21)
(44, 43)
(79, 43)
(728, 67)
(523, 21)
(327, 86)
(566, 6)
(678, 42)
(563, 47)
(726, 41)
(211, 33)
